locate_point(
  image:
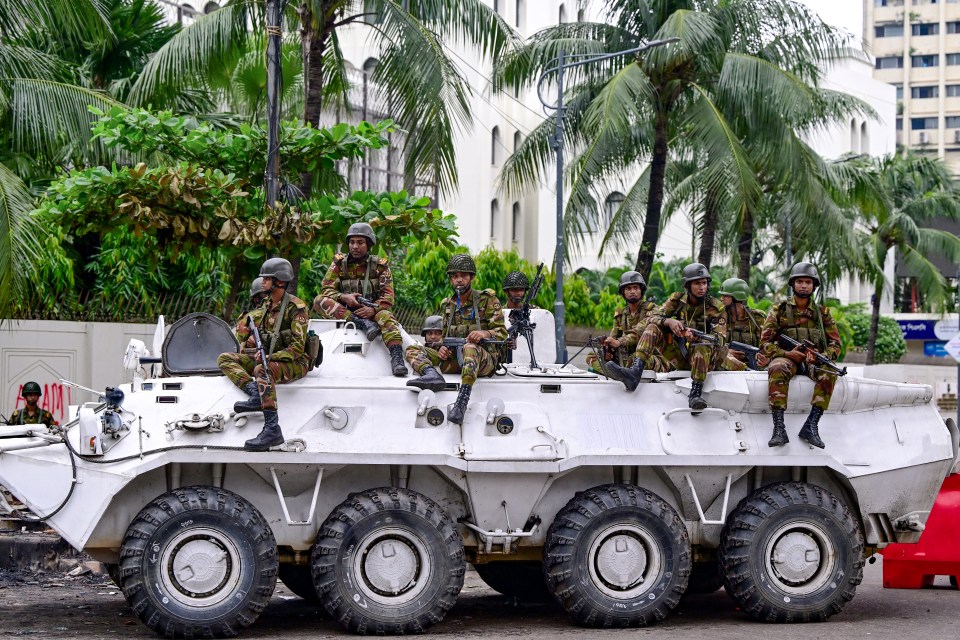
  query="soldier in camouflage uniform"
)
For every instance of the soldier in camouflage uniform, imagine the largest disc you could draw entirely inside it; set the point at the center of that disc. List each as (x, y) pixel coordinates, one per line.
(362, 274)
(628, 323)
(743, 323)
(470, 314)
(801, 320)
(515, 287)
(670, 324)
(31, 413)
(282, 324)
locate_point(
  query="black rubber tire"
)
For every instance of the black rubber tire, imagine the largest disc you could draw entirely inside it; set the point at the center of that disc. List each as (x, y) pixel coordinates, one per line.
(587, 527)
(521, 580)
(813, 517)
(113, 572)
(297, 578)
(705, 577)
(202, 522)
(415, 530)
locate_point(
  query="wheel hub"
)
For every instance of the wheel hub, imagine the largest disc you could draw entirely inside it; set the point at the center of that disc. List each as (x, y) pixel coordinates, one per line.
(800, 557)
(796, 557)
(390, 566)
(621, 560)
(393, 566)
(201, 567)
(625, 561)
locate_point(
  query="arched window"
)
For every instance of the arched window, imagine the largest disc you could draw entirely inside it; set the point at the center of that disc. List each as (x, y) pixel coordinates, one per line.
(854, 137)
(562, 14)
(515, 223)
(494, 218)
(610, 207)
(369, 65)
(496, 144)
(520, 14)
(864, 138)
(517, 139)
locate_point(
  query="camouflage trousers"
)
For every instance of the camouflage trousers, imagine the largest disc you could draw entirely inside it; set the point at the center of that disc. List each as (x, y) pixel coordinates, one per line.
(241, 369)
(781, 371)
(700, 359)
(477, 361)
(330, 309)
(654, 363)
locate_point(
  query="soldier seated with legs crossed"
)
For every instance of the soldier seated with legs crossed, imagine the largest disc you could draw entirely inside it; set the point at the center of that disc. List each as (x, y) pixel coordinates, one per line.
(473, 315)
(628, 323)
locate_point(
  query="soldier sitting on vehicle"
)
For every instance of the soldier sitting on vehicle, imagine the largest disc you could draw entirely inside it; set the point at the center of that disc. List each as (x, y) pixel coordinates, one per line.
(31, 413)
(471, 315)
(515, 286)
(282, 325)
(743, 322)
(801, 320)
(628, 323)
(432, 331)
(670, 331)
(360, 274)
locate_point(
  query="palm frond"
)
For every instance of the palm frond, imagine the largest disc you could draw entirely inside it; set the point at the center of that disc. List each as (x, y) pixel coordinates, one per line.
(20, 234)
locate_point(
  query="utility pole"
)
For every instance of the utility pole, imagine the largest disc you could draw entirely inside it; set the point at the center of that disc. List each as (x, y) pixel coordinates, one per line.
(568, 62)
(271, 178)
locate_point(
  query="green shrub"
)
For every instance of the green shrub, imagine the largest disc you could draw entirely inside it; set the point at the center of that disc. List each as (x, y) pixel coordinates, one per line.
(890, 343)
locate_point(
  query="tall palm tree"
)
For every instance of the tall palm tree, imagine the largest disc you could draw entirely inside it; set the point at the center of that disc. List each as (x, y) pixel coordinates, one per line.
(428, 94)
(739, 66)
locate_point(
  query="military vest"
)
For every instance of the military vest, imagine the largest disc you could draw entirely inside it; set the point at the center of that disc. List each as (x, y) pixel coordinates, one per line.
(367, 286)
(272, 339)
(801, 328)
(746, 330)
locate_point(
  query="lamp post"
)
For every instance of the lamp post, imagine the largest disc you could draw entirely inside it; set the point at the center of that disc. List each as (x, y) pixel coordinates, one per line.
(271, 177)
(568, 62)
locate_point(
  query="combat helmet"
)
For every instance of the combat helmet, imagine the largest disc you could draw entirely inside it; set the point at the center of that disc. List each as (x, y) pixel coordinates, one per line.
(278, 269)
(31, 387)
(256, 288)
(463, 263)
(736, 289)
(804, 270)
(364, 230)
(516, 280)
(695, 271)
(432, 323)
(631, 277)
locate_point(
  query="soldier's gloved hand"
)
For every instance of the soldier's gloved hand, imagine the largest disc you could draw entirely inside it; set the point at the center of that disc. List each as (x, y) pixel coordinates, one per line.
(476, 336)
(675, 326)
(444, 354)
(364, 312)
(796, 355)
(349, 300)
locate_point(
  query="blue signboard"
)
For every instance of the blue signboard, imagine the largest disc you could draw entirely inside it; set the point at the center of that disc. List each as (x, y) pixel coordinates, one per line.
(917, 329)
(934, 349)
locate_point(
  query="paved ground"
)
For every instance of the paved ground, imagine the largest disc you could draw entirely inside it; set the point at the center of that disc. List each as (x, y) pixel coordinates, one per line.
(56, 606)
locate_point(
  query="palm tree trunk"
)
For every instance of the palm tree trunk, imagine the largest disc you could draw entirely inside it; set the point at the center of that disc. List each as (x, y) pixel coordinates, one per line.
(874, 320)
(651, 223)
(313, 44)
(235, 284)
(709, 235)
(745, 247)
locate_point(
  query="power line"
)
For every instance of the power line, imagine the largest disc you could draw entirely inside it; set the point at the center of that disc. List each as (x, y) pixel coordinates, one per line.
(490, 82)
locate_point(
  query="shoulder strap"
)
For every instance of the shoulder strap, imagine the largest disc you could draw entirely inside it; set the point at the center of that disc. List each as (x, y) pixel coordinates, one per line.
(366, 286)
(276, 327)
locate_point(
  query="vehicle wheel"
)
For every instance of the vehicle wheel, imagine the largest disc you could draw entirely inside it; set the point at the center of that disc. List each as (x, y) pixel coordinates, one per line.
(617, 556)
(388, 561)
(198, 562)
(791, 552)
(522, 580)
(297, 578)
(704, 578)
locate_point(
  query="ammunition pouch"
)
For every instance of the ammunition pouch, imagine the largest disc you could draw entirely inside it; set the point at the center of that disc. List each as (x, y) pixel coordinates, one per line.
(314, 350)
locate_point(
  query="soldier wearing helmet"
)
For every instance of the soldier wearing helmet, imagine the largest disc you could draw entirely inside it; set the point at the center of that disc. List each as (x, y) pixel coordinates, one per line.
(743, 323)
(432, 331)
(470, 314)
(32, 413)
(360, 274)
(693, 308)
(515, 287)
(629, 322)
(257, 298)
(800, 319)
(282, 324)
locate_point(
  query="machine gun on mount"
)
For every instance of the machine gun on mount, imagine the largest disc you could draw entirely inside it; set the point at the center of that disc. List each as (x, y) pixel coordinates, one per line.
(520, 324)
(748, 350)
(805, 346)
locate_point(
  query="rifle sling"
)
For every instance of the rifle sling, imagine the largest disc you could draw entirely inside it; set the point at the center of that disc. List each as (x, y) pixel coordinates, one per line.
(276, 327)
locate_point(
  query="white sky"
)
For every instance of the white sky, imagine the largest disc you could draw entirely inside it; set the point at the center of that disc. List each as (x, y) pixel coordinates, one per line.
(847, 14)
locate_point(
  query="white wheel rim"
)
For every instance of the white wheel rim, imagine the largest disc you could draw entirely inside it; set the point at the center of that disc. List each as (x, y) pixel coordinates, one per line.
(392, 566)
(200, 567)
(800, 558)
(625, 561)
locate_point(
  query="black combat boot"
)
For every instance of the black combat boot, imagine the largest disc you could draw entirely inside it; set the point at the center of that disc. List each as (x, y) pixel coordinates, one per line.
(396, 361)
(696, 402)
(810, 431)
(369, 328)
(252, 403)
(459, 408)
(269, 437)
(629, 376)
(779, 437)
(430, 379)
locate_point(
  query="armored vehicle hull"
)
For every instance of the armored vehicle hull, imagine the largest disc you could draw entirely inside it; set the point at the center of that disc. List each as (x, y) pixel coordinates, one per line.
(558, 482)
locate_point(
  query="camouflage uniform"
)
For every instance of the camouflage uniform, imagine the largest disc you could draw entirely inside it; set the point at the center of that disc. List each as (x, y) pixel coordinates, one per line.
(42, 416)
(288, 359)
(746, 330)
(708, 317)
(627, 328)
(481, 312)
(371, 278)
(813, 323)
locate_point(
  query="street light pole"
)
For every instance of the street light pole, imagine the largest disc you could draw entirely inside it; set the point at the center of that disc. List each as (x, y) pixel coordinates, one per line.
(567, 62)
(271, 178)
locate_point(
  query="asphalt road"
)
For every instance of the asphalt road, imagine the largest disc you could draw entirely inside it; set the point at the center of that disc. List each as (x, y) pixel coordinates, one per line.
(62, 607)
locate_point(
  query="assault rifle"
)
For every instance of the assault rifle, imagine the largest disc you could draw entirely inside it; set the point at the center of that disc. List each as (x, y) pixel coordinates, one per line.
(805, 346)
(520, 324)
(748, 350)
(456, 345)
(367, 302)
(263, 354)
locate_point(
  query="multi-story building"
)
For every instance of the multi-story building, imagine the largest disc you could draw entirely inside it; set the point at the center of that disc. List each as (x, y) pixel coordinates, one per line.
(916, 48)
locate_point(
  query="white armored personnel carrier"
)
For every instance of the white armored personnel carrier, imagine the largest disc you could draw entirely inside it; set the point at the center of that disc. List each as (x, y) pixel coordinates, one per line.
(557, 482)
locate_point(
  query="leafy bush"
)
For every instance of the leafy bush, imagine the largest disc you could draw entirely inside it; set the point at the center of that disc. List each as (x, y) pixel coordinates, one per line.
(890, 343)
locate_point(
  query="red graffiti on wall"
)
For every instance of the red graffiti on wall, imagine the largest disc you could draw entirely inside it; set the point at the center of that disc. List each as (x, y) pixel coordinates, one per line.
(52, 399)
